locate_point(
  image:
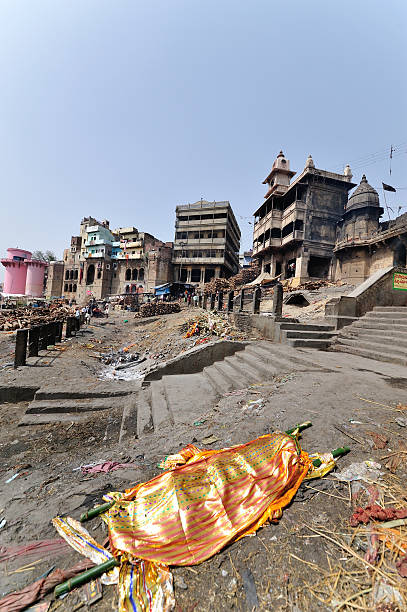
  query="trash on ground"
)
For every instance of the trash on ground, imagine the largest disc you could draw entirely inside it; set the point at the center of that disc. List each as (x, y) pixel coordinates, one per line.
(210, 440)
(366, 470)
(380, 441)
(105, 467)
(376, 513)
(19, 600)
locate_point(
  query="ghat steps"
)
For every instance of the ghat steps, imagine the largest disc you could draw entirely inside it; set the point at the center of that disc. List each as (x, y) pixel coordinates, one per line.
(380, 334)
(182, 398)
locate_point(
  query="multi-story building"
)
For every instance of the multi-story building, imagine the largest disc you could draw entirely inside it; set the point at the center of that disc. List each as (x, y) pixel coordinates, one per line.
(100, 262)
(295, 227)
(207, 241)
(245, 259)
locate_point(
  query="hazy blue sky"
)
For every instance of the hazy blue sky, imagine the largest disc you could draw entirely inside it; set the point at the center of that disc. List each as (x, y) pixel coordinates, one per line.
(122, 109)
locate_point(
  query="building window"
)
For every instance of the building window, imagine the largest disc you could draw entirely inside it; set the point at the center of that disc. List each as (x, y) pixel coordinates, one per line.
(99, 274)
(74, 288)
(128, 274)
(127, 289)
(75, 275)
(66, 287)
(141, 274)
(67, 275)
(195, 275)
(134, 274)
(70, 288)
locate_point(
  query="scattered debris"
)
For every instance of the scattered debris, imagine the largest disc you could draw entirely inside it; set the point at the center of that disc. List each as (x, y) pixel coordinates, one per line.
(377, 513)
(380, 441)
(105, 467)
(210, 440)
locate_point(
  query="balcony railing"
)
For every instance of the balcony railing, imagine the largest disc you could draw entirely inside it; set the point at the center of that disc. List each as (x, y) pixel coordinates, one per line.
(198, 260)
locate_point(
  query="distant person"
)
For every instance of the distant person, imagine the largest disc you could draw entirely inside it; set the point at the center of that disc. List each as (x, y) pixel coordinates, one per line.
(189, 299)
(196, 299)
(77, 314)
(107, 310)
(87, 318)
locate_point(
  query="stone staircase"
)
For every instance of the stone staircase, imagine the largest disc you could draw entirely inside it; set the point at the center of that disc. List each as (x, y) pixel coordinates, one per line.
(380, 334)
(307, 335)
(55, 405)
(175, 399)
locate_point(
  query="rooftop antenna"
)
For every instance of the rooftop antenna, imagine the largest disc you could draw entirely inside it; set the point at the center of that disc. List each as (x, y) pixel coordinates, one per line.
(391, 156)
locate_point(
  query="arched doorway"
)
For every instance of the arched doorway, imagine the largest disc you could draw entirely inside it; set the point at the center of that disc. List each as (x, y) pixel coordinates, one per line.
(90, 274)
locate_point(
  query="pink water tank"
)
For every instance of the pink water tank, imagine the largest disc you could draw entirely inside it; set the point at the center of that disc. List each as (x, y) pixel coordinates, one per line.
(35, 277)
(16, 271)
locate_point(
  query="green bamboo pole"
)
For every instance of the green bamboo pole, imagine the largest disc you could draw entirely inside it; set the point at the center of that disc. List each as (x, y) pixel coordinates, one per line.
(300, 427)
(90, 574)
(90, 514)
(338, 452)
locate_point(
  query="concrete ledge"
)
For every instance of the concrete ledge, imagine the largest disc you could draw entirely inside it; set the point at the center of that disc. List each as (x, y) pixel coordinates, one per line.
(196, 359)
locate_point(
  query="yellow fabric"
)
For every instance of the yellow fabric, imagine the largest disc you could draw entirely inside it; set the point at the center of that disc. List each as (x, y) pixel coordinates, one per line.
(145, 587)
(190, 512)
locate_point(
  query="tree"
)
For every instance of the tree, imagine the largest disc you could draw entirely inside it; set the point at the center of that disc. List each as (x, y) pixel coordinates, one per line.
(47, 256)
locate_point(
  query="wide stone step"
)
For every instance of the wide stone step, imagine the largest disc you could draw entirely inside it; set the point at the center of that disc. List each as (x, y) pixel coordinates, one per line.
(307, 327)
(372, 331)
(282, 358)
(391, 317)
(245, 369)
(233, 375)
(51, 417)
(378, 338)
(379, 324)
(312, 335)
(188, 396)
(102, 392)
(159, 404)
(375, 355)
(373, 346)
(309, 343)
(79, 405)
(217, 380)
(401, 309)
(264, 370)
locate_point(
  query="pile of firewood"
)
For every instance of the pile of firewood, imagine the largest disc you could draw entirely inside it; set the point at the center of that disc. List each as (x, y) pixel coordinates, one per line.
(23, 318)
(246, 275)
(215, 285)
(158, 308)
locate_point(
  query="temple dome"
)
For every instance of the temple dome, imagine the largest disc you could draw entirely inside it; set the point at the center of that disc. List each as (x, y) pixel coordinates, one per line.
(363, 196)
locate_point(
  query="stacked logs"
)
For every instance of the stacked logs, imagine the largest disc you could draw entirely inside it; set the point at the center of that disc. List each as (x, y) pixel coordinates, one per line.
(158, 308)
(24, 318)
(246, 275)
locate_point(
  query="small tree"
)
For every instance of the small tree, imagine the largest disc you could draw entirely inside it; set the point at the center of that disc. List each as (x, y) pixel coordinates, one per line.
(41, 256)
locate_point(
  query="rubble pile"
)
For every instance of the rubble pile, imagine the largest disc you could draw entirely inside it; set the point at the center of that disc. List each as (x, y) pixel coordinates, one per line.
(23, 318)
(118, 357)
(159, 308)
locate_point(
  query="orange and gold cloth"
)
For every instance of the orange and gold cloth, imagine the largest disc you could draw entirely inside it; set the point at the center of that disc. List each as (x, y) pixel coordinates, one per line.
(206, 499)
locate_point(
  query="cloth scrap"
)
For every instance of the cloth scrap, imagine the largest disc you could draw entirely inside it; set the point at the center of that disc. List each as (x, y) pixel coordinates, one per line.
(19, 600)
(376, 513)
(34, 550)
(107, 466)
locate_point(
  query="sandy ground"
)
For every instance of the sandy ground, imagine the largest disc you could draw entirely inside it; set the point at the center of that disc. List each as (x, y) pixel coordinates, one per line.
(270, 571)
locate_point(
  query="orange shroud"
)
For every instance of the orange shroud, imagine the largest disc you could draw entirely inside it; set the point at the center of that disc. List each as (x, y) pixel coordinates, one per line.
(188, 513)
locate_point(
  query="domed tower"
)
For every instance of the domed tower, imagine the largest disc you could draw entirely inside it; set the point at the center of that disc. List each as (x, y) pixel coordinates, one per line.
(279, 178)
(362, 212)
